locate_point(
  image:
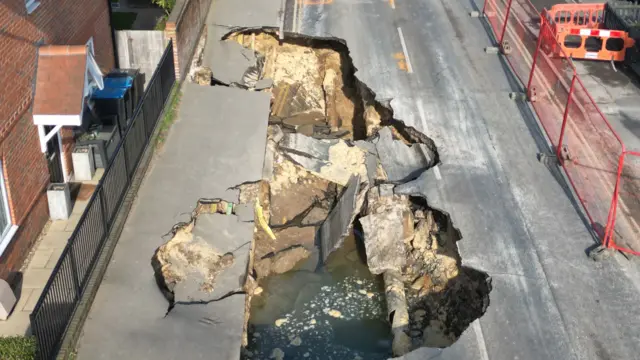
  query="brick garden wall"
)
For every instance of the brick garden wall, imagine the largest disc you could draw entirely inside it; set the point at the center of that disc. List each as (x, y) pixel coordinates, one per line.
(184, 26)
(60, 22)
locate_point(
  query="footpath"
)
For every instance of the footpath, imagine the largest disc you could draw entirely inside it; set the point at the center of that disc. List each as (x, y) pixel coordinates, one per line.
(44, 257)
(217, 142)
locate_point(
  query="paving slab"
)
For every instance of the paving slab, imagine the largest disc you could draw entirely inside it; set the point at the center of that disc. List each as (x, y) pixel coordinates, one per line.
(228, 60)
(217, 142)
(226, 234)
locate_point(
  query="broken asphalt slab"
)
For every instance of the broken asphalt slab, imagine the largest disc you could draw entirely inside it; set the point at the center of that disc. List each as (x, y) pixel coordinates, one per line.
(466, 348)
(224, 234)
(332, 159)
(307, 146)
(228, 60)
(334, 230)
(217, 142)
(202, 156)
(401, 162)
(383, 241)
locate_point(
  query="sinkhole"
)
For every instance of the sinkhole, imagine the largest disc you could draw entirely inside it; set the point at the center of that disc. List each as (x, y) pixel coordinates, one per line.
(342, 265)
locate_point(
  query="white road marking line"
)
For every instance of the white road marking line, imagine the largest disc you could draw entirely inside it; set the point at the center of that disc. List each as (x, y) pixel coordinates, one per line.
(421, 113)
(482, 346)
(436, 169)
(404, 50)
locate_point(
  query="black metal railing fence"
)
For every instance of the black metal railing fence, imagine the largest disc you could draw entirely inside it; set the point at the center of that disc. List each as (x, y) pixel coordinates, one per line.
(63, 291)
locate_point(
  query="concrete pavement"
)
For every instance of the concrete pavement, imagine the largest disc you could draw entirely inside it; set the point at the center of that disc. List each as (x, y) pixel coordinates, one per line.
(217, 142)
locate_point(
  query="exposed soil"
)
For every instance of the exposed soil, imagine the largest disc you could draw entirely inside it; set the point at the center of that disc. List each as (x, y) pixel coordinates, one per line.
(443, 297)
(185, 255)
(316, 77)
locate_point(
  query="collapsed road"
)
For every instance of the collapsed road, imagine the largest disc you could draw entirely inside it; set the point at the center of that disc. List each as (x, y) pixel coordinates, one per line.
(484, 254)
(334, 156)
(518, 222)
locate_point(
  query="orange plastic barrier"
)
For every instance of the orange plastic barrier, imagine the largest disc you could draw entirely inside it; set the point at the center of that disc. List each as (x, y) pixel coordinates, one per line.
(588, 149)
(590, 16)
(581, 34)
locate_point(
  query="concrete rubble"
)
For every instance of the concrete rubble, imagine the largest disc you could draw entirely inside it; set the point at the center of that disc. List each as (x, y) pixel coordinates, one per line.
(383, 241)
(333, 160)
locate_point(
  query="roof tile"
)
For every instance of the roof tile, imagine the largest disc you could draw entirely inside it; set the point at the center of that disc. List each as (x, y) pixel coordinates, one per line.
(60, 80)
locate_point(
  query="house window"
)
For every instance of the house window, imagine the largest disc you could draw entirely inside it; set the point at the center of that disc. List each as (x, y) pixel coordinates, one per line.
(7, 229)
(31, 5)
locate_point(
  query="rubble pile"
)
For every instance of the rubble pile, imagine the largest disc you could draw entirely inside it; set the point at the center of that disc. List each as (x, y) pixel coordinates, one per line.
(430, 297)
(314, 89)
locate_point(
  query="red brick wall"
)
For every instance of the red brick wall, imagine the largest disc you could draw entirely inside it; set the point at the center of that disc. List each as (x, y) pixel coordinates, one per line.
(25, 168)
(27, 234)
(59, 22)
(184, 27)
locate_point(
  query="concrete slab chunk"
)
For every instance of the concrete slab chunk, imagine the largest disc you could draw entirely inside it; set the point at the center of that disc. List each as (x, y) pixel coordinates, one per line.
(402, 162)
(383, 241)
(331, 159)
(337, 226)
(264, 84)
(224, 234)
(196, 327)
(417, 186)
(307, 146)
(229, 61)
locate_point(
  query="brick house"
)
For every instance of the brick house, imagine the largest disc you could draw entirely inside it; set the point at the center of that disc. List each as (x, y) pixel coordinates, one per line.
(43, 81)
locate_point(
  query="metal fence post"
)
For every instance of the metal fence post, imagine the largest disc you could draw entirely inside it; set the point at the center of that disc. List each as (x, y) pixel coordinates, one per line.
(613, 209)
(506, 20)
(543, 27)
(126, 157)
(74, 271)
(104, 211)
(565, 118)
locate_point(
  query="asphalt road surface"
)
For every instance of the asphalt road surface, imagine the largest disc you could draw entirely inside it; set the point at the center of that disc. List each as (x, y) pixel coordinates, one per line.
(517, 219)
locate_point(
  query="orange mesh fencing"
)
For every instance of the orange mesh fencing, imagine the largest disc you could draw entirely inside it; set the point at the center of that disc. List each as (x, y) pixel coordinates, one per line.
(549, 84)
(588, 150)
(624, 234)
(520, 36)
(494, 12)
(603, 175)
